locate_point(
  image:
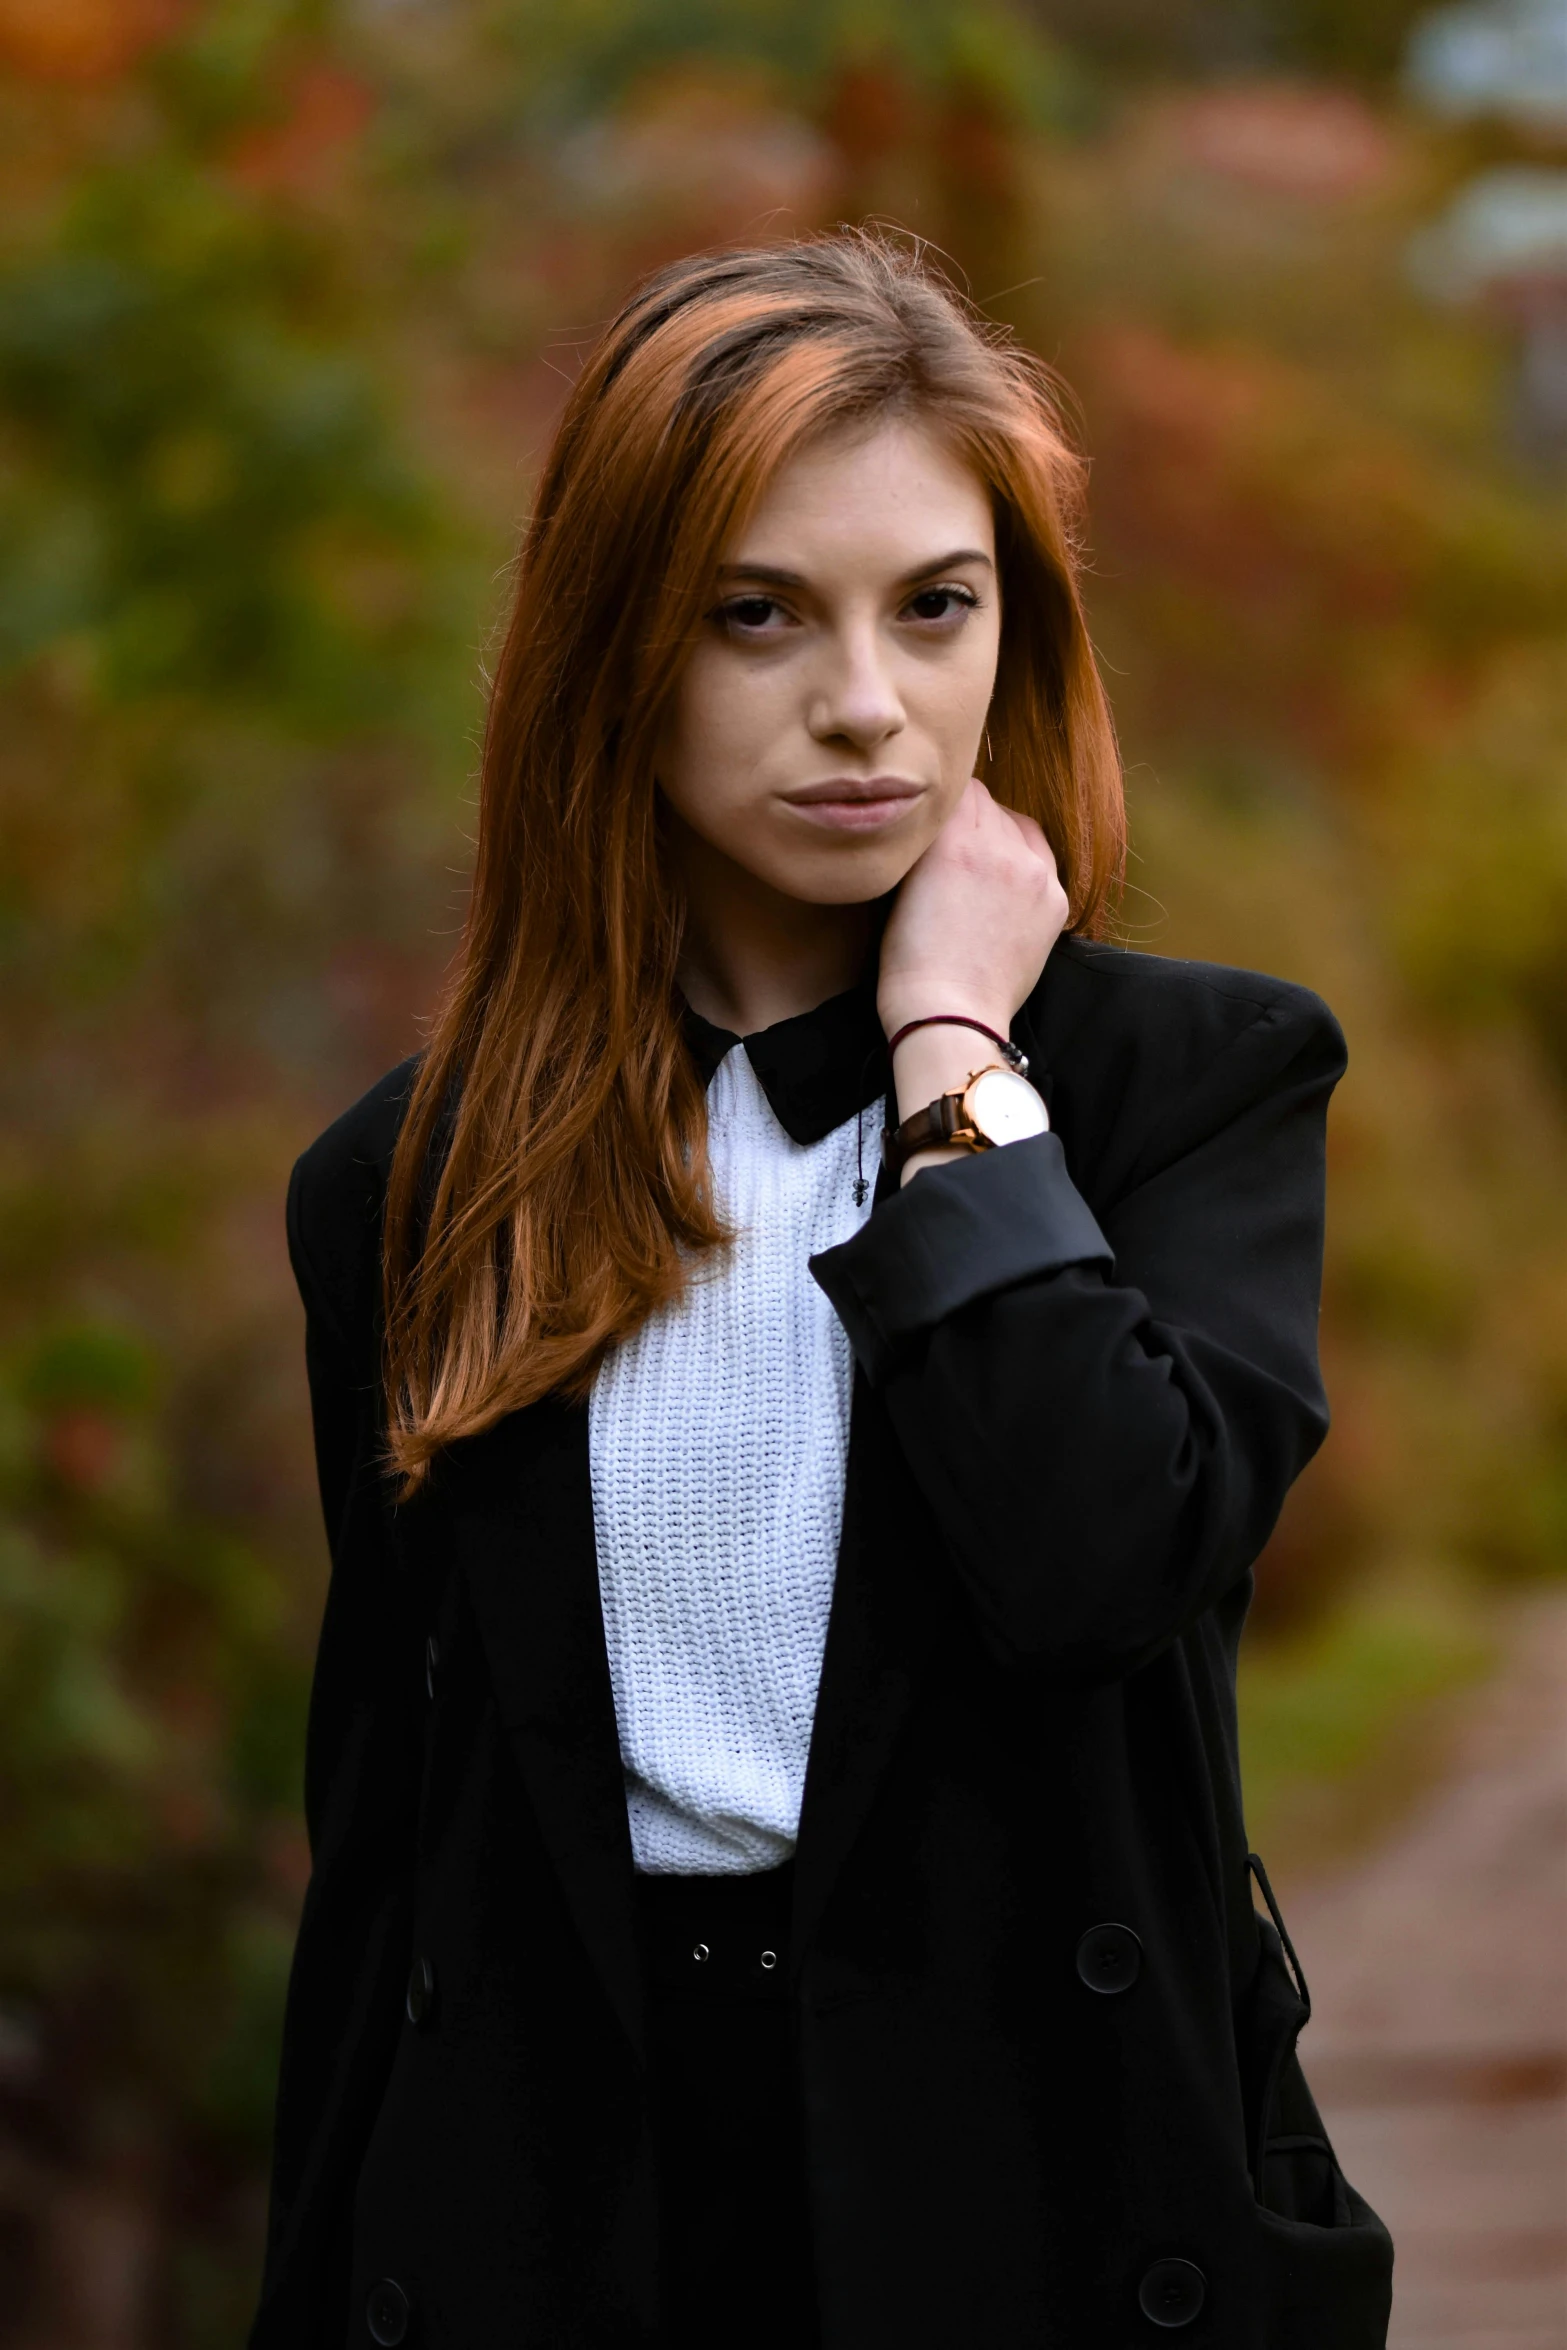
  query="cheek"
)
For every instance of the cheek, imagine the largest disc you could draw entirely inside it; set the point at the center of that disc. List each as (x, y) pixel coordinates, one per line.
(724, 735)
(986, 657)
(709, 709)
(954, 700)
(685, 750)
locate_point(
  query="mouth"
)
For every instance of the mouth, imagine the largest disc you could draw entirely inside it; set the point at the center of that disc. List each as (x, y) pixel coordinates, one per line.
(855, 803)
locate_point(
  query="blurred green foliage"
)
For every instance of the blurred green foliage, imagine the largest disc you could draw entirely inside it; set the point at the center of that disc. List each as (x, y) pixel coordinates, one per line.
(578, 62)
(288, 292)
(1363, 39)
(1337, 1724)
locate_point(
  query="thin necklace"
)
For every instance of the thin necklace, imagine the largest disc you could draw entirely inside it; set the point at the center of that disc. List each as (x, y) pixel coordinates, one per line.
(861, 1185)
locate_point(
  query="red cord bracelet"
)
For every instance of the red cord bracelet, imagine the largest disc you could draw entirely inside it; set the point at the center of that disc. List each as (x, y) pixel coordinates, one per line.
(1010, 1053)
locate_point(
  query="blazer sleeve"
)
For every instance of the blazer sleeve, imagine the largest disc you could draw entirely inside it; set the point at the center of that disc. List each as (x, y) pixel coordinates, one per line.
(1104, 1413)
(362, 1765)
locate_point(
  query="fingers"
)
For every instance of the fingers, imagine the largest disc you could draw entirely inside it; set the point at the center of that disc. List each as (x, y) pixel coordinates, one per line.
(1029, 829)
(979, 806)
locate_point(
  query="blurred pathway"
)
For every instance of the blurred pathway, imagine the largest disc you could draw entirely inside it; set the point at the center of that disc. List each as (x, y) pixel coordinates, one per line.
(1438, 2043)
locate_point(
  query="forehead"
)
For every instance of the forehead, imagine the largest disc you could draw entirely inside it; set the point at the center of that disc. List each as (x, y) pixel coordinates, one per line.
(890, 492)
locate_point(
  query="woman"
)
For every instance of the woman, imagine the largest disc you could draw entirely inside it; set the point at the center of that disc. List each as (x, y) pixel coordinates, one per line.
(779, 1873)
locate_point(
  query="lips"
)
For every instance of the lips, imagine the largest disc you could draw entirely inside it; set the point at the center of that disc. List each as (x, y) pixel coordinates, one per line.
(855, 804)
(844, 790)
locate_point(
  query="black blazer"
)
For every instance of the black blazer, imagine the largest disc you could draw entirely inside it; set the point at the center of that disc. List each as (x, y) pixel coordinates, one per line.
(1047, 2042)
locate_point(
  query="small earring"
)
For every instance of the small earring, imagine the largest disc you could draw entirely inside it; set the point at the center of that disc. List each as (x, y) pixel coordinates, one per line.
(990, 756)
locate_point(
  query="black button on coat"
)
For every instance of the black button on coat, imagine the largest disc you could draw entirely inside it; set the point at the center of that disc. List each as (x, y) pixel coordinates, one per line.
(1109, 1958)
(1086, 1374)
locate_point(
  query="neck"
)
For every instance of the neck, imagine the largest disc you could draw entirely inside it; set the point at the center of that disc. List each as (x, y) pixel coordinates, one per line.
(751, 956)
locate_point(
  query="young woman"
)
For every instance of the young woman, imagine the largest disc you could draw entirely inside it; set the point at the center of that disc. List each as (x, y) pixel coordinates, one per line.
(803, 1364)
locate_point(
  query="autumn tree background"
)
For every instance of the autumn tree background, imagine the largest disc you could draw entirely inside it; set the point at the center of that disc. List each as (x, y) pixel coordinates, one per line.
(289, 295)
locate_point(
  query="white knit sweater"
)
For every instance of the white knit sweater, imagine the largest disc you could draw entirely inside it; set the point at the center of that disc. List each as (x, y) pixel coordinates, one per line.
(718, 1434)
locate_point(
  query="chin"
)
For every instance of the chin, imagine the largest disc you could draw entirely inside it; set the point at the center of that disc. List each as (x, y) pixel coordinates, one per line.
(842, 872)
(852, 880)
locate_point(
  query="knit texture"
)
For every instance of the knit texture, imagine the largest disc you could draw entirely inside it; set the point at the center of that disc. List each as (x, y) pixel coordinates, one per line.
(718, 1434)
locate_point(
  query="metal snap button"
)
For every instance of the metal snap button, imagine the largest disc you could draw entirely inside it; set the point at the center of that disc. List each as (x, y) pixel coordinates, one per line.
(701, 1953)
(769, 1959)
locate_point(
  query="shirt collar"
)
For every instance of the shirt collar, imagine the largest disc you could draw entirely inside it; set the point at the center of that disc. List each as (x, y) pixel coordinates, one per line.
(818, 1068)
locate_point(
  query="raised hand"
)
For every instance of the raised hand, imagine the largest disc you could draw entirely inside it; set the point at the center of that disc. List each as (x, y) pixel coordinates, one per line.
(973, 920)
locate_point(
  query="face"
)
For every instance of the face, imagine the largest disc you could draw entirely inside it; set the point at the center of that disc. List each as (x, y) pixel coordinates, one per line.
(830, 717)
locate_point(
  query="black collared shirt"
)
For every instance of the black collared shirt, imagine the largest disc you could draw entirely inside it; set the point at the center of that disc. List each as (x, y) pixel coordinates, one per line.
(817, 1068)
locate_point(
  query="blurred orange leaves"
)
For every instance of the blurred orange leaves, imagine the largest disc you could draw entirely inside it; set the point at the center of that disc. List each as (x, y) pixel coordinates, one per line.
(1260, 530)
(82, 1447)
(83, 40)
(301, 151)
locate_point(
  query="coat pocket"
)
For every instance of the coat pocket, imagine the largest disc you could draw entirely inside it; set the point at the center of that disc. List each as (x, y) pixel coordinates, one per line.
(1287, 2150)
(1327, 2285)
(1327, 2258)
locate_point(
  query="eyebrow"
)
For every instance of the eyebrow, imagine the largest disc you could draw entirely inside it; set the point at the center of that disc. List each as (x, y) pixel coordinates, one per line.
(775, 575)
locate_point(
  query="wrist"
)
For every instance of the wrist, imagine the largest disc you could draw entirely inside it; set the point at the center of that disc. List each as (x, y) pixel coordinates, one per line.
(932, 1158)
(936, 1058)
(940, 1059)
(896, 1010)
(946, 1088)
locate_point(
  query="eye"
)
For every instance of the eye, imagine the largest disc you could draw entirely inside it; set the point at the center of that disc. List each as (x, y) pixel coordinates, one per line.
(750, 615)
(949, 602)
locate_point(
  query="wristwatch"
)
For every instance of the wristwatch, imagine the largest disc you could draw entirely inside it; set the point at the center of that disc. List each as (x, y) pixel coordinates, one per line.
(997, 1105)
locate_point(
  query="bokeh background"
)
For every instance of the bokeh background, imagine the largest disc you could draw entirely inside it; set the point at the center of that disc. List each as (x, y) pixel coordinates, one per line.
(289, 295)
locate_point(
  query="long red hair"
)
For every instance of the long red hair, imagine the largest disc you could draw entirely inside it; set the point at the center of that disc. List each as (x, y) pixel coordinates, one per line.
(549, 1178)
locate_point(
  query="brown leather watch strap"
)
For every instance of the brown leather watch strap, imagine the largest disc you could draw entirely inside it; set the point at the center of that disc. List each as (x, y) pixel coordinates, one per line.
(939, 1124)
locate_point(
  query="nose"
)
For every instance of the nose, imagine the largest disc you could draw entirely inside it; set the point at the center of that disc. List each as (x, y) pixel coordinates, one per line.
(855, 700)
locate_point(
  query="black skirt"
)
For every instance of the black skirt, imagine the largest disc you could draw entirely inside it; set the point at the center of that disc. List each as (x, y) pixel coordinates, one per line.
(734, 2252)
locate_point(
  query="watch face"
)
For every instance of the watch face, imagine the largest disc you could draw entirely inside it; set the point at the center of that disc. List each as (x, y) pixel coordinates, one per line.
(1005, 1107)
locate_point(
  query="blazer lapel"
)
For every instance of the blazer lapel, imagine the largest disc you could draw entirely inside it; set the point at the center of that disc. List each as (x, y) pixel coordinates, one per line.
(888, 1608)
(520, 1508)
